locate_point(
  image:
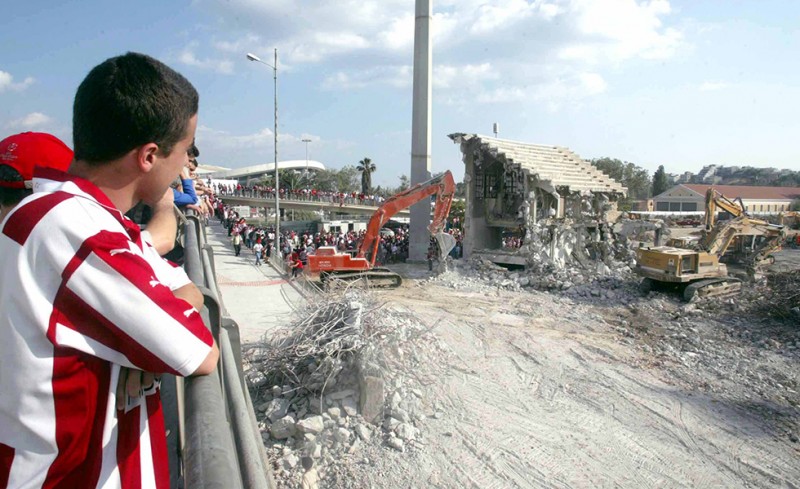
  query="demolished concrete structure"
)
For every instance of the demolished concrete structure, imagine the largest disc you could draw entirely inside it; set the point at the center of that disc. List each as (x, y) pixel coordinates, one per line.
(560, 201)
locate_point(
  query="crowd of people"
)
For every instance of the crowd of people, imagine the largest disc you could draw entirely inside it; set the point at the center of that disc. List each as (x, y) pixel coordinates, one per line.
(295, 246)
(299, 194)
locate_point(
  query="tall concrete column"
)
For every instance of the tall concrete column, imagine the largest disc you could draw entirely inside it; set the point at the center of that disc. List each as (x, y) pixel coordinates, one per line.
(421, 128)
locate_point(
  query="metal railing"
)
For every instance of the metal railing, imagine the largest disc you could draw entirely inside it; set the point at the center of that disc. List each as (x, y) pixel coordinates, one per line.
(219, 444)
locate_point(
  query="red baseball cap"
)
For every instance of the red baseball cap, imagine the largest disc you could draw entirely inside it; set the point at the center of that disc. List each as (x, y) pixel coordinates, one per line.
(24, 151)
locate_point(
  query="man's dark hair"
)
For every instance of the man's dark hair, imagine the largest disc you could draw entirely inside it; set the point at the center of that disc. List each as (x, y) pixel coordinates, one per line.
(128, 101)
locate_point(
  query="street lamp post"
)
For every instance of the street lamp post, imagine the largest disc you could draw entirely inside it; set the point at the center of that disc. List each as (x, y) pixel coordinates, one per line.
(277, 242)
(306, 140)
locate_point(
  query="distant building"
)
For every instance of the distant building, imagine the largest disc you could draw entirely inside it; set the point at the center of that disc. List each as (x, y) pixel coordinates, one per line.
(756, 200)
(252, 173)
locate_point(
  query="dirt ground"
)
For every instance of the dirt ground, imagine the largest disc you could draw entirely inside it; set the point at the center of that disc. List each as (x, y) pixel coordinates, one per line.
(545, 390)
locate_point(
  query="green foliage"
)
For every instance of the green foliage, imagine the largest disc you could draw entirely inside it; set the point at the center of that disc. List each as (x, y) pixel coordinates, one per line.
(458, 209)
(291, 179)
(347, 179)
(461, 190)
(633, 177)
(405, 183)
(341, 180)
(796, 205)
(366, 167)
(660, 181)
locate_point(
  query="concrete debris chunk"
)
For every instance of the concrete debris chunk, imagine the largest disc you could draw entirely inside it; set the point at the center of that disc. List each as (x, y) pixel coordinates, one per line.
(276, 409)
(341, 394)
(396, 443)
(371, 400)
(363, 432)
(350, 407)
(401, 415)
(342, 434)
(406, 432)
(283, 428)
(335, 413)
(312, 425)
(290, 461)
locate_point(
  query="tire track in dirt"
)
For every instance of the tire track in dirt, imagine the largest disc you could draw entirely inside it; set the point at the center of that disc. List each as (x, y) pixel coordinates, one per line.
(545, 400)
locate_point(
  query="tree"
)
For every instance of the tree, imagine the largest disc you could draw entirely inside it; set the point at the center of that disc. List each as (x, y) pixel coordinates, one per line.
(660, 181)
(405, 183)
(366, 167)
(633, 177)
(458, 209)
(347, 179)
(290, 179)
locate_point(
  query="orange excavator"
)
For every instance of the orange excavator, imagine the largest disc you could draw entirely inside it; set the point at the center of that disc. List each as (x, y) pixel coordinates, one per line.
(329, 263)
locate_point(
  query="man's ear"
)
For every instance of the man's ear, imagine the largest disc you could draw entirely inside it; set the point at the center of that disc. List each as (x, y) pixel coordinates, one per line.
(146, 156)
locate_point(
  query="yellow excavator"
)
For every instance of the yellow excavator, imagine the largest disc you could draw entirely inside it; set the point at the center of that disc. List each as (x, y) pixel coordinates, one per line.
(699, 272)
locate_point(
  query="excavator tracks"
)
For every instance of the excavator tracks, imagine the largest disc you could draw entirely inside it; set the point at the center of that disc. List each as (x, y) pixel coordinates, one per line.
(377, 277)
(713, 287)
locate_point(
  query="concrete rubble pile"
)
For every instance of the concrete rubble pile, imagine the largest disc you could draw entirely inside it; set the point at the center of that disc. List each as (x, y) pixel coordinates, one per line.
(777, 297)
(589, 261)
(749, 355)
(331, 398)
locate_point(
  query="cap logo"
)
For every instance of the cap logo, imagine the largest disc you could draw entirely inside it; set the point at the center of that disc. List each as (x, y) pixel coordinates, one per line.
(8, 155)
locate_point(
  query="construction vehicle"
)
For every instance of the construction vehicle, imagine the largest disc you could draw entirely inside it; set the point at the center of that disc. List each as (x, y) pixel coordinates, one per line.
(752, 241)
(699, 272)
(790, 219)
(329, 263)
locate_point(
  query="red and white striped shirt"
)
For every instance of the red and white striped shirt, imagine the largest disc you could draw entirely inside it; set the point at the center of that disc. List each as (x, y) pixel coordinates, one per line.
(81, 294)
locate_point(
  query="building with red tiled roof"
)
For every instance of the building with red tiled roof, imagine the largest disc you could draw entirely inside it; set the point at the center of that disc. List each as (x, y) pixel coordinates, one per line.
(757, 200)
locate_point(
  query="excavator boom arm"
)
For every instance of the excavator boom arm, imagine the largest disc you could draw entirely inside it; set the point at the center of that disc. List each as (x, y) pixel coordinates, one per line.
(715, 200)
(442, 186)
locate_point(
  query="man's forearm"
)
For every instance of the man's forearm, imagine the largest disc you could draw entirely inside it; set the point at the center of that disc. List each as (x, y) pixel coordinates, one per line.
(163, 228)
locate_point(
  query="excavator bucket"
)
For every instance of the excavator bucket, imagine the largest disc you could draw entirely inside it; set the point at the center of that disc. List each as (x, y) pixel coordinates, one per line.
(446, 243)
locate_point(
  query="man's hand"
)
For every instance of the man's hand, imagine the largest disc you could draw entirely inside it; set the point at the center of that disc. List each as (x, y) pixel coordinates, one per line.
(132, 383)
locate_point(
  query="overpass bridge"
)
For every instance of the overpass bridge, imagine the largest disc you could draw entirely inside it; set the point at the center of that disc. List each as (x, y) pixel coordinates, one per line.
(326, 206)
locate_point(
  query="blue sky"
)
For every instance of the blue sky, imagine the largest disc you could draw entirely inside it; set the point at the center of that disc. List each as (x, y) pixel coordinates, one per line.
(679, 83)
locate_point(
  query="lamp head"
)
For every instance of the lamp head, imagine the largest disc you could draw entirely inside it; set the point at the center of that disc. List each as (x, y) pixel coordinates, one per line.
(253, 57)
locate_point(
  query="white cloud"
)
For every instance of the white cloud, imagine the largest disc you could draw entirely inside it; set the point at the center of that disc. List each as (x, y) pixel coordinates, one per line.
(34, 120)
(562, 90)
(491, 16)
(479, 46)
(320, 45)
(448, 76)
(238, 46)
(712, 86)
(394, 76)
(618, 30)
(223, 140)
(7, 82)
(187, 57)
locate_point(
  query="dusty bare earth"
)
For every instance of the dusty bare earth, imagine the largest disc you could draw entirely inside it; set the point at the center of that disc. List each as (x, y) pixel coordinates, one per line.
(543, 390)
(490, 384)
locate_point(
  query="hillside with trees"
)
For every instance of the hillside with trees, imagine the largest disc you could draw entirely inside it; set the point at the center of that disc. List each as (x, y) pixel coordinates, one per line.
(745, 175)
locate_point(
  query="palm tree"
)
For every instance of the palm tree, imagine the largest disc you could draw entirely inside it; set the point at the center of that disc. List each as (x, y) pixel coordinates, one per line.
(366, 167)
